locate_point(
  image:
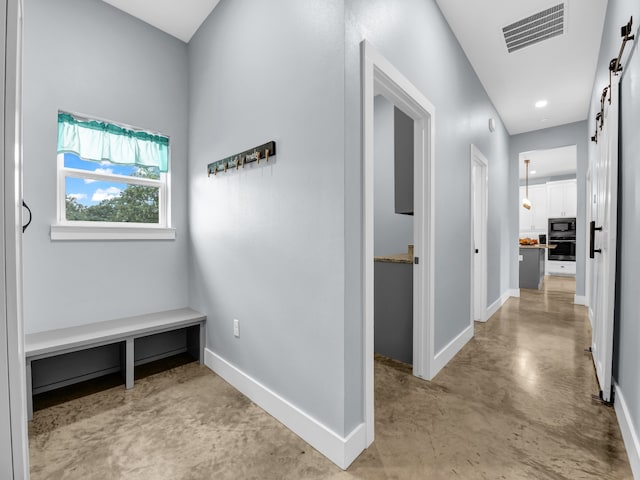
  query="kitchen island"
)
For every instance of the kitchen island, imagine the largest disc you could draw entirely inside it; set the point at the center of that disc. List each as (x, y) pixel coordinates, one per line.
(532, 260)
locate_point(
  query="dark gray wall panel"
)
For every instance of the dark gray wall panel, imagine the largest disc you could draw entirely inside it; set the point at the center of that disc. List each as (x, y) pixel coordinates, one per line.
(393, 311)
(403, 161)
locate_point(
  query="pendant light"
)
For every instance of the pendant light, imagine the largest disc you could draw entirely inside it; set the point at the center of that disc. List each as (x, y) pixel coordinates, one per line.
(526, 203)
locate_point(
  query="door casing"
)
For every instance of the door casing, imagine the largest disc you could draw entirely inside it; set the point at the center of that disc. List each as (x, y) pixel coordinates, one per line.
(479, 217)
(380, 77)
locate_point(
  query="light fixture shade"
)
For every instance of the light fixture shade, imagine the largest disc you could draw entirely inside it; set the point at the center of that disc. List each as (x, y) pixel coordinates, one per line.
(526, 203)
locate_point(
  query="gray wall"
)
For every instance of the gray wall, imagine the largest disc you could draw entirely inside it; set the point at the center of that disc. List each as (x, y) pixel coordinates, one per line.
(392, 231)
(403, 141)
(85, 56)
(626, 353)
(268, 241)
(415, 38)
(562, 136)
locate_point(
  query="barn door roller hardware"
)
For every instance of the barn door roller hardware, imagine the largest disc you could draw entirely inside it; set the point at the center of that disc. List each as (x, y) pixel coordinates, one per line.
(600, 114)
(615, 65)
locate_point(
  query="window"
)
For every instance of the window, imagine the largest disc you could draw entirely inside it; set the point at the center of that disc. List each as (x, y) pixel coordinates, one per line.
(112, 182)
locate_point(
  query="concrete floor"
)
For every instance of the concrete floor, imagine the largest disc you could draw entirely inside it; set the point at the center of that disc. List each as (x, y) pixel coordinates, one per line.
(514, 403)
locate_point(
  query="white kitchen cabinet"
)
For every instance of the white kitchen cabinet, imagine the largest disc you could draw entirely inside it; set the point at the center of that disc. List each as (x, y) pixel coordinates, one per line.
(534, 220)
(555, 267)
(562, 199)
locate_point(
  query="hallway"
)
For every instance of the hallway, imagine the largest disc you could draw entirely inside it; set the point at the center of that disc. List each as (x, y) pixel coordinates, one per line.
(514, 403)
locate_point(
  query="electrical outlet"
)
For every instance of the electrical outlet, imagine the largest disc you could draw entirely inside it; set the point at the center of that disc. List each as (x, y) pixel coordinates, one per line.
(236, 327)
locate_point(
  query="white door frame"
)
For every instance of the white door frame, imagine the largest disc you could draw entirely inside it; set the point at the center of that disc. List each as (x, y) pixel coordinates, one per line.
(381, 77)
(11, 220)
(479, 161)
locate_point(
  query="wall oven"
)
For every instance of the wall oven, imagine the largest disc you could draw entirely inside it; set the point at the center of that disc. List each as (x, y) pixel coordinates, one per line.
(565, 250)
(562, 235)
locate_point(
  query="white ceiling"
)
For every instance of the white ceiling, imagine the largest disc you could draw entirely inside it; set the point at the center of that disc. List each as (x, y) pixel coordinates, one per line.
(549, 163)
(560, 70)
(178, 18)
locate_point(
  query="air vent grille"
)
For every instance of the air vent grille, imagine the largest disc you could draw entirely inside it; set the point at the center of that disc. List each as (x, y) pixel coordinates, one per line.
(534, 29)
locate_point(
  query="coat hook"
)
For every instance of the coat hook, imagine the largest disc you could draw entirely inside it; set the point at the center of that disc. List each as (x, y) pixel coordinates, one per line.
(255, 154)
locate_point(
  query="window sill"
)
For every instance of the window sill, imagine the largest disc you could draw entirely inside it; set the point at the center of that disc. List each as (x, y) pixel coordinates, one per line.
(76, 232)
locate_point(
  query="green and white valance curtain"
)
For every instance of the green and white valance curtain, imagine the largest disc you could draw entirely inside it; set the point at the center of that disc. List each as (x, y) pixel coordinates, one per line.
(97, 140)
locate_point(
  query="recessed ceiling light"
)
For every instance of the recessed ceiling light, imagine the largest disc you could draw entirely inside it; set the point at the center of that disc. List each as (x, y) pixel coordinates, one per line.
(541, 103)
(544, 120)
(532, 172)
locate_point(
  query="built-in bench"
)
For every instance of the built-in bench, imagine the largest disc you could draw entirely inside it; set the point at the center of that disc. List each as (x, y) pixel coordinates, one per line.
(125, 331)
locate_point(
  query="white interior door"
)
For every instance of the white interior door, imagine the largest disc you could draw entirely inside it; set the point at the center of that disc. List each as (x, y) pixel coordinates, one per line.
(589, 202)
(479, 235)
(14, 457)
(477, 244)
(6, 461)
(604, 262)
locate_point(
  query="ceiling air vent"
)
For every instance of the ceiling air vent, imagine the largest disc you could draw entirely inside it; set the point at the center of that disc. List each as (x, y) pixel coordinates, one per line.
(534, 29)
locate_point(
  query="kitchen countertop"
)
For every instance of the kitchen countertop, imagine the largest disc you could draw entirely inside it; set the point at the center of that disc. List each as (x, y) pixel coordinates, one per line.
(397, 257)
(541, 245)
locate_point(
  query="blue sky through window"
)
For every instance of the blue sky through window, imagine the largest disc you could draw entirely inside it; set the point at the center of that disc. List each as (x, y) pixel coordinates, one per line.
(91, 192)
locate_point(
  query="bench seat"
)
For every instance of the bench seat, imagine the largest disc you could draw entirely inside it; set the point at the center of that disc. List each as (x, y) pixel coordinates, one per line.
(72, 339)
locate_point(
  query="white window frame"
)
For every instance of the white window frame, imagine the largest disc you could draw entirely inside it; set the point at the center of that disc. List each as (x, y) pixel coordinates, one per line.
(81, 230)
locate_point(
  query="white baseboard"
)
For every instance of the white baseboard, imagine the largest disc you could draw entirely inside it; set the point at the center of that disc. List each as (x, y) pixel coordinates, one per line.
(495, 306)
(591, 316)
(341, 451)
(580, 299)
(445, 355)
(514, 292)
(629, 434)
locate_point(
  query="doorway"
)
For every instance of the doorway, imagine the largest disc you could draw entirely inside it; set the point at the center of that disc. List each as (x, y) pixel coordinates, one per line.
(381, 78)
(479, 216)
(393, 231)
(548, 182)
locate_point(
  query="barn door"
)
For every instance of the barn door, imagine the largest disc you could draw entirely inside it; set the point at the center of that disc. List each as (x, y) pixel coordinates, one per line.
(603, 232)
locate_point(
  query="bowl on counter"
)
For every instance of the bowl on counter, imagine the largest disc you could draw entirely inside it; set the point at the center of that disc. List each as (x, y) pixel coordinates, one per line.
(528, 241)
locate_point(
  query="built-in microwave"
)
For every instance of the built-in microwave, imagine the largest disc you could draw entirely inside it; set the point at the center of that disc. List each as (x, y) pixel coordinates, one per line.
(562, 227)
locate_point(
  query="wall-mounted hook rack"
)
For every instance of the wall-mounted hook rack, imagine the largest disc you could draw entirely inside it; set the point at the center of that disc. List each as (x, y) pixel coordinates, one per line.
(265, 151)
